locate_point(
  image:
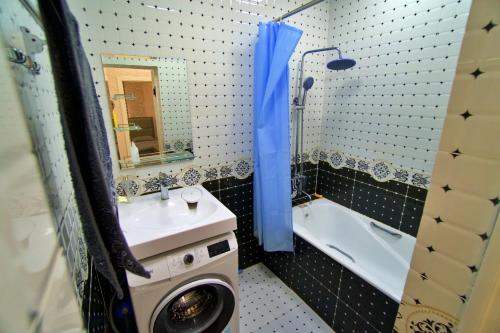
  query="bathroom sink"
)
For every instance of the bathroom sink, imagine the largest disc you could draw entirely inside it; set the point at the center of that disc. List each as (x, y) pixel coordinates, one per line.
(153, 213)
(152, 226)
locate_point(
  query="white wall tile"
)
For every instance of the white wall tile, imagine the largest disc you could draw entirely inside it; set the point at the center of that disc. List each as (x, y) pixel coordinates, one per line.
(391, 105)
(38, 97)
(217, 40)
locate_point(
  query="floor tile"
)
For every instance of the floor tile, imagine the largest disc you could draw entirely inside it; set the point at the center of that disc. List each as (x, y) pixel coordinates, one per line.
(268, 305)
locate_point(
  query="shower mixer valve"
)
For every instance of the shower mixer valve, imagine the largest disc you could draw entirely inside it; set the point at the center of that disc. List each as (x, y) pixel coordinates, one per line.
(297, 182)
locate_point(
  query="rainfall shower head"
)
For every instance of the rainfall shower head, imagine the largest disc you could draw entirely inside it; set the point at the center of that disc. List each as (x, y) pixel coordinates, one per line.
(308, 83)
(341, 64)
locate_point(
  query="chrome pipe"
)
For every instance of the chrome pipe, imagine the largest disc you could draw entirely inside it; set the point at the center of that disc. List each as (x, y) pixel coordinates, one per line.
(299, 103)
(298, 88)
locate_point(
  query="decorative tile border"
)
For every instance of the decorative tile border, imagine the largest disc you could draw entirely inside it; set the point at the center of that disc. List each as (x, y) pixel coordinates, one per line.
(380, 170)
(190, 176)
(179, 145)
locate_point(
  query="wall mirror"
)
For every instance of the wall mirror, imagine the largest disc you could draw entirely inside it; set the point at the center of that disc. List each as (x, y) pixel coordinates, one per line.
(149, 104)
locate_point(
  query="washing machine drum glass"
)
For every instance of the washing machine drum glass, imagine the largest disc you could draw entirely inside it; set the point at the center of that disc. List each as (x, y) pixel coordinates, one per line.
(206, 307)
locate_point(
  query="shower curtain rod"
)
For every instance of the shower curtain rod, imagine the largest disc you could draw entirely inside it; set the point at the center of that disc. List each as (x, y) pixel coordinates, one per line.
(298, 10)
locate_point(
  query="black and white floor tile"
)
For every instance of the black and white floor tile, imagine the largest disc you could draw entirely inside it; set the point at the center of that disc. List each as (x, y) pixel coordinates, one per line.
(267, 305)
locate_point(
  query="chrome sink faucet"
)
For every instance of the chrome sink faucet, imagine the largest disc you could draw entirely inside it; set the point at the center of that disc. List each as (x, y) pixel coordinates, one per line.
(164, 184)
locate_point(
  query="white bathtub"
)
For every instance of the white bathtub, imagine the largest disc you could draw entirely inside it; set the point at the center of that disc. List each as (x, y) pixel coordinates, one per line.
(374, 251)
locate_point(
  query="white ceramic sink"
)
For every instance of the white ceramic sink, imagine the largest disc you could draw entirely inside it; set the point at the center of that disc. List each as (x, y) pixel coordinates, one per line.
(153, 213)
(153, 226)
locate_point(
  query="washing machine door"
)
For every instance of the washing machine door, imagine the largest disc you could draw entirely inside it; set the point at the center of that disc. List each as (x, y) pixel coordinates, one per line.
(205, 305)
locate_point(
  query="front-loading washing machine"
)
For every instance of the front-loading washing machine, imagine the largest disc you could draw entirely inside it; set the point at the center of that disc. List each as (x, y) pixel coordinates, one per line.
(192, 289)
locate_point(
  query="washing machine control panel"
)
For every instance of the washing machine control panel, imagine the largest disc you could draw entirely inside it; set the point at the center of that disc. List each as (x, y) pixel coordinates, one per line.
(185, 259)
(199, 254)
(218, 248)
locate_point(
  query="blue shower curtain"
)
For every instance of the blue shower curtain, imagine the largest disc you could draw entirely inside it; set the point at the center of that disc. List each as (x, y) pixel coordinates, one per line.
(271, 136)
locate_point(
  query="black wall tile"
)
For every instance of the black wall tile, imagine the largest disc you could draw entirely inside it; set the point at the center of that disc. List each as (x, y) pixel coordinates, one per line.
(346, 172)
(233, 181)
(319, 298)
(237, 195)
(212, 185)
(249, 253)
(335, 187)
(100, 303)
(93, 303)
(348, 321)
(238, 199)
(314, 276)
(390, 185)
(318, 264)
(411, 216)
(369, 302)
(309, 185)
(244, 233)
(281, 264)
(382, 201)
(309, 166)
(319, 280)
(417, 192)
(381, 205)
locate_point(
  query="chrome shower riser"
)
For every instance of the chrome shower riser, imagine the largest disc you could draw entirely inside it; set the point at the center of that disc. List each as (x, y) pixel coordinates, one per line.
(299, 103)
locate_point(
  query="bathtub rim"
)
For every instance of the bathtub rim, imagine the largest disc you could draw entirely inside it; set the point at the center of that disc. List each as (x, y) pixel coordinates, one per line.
(394, 293)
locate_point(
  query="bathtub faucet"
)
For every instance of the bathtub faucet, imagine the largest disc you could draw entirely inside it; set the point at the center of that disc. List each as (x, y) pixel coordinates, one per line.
(307, 195)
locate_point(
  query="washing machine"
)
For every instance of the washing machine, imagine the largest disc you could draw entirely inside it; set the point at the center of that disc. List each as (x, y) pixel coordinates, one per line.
(192, 289)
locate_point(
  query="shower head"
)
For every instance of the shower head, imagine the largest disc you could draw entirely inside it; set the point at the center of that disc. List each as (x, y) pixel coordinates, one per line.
(308, 83)
(341, 64)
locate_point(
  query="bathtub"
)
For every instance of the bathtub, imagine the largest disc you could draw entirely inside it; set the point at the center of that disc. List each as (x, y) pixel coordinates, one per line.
(374, 251)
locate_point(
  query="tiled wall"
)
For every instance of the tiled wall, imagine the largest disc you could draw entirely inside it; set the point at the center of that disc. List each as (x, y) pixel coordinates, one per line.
(218, 44)
(331, 290)
(345, 301)
(391, 105)
(41, 110)
(34, 271)
(463, 200)
(237, 195)
(217, 40)
(174, 100)
(382, 119)
(40, 106)
(396, 204)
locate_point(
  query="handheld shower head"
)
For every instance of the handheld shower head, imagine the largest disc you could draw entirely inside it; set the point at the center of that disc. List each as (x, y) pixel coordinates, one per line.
(308, 83)
(341, 64)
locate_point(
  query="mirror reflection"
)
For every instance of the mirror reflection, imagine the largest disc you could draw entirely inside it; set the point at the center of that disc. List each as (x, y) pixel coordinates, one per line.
(149, 105)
